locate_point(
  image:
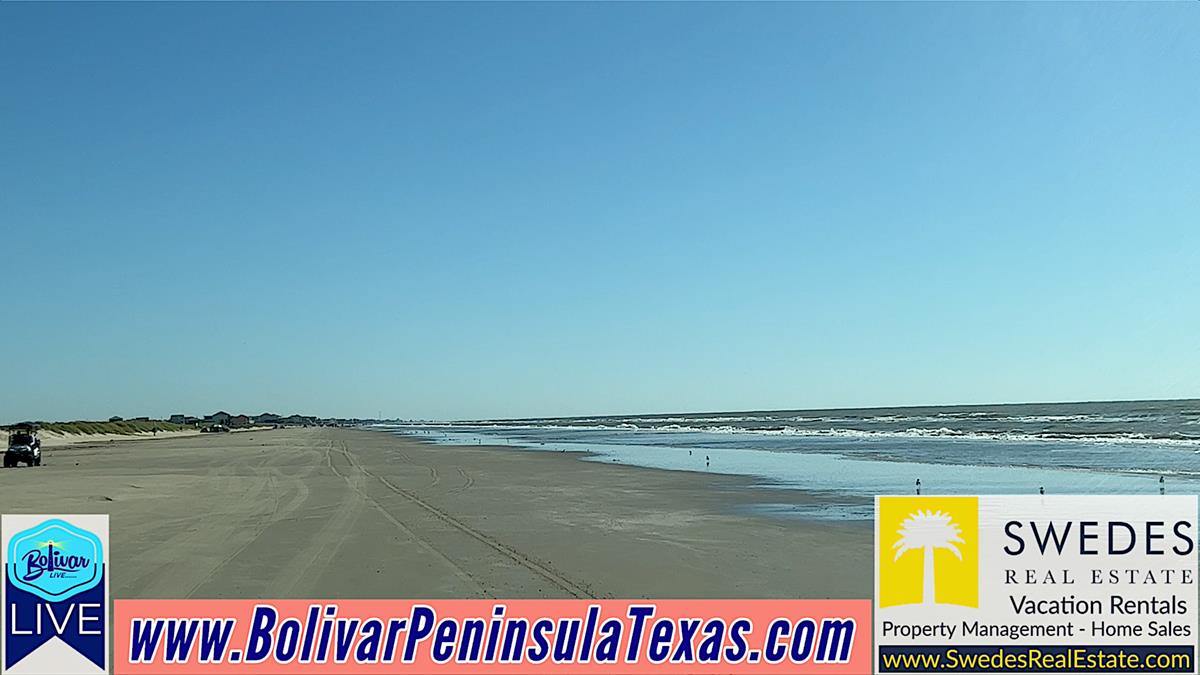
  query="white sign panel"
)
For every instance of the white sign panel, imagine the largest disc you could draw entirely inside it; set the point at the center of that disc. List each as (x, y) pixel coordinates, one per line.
(1076, 584)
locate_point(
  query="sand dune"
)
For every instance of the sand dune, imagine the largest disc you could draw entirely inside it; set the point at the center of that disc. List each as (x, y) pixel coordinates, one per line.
(52, 439)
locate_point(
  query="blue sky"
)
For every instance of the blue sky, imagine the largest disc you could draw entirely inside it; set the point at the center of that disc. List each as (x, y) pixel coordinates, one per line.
(459, 211)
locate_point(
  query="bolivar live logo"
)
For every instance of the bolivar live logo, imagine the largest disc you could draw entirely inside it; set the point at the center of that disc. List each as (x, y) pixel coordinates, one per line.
(55, 594)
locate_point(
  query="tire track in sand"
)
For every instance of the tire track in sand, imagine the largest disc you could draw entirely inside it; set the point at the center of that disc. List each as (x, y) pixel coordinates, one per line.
(433, 472)
(295, 485)
(260, 526)
(468, 482)
(540, 569)
(307, 564)
(458, 570)
(162, 573)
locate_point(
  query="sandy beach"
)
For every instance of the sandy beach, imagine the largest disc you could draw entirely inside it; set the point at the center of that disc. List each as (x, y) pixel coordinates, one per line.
(298, 513)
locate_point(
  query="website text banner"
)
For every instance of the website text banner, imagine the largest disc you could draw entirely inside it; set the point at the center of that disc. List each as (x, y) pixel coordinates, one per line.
(492, 636)
(1036, 584)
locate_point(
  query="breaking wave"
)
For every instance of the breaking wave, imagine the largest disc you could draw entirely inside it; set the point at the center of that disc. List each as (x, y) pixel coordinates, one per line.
(911, 432)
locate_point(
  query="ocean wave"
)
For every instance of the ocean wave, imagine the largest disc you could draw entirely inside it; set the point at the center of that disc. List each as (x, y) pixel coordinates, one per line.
(1182, 473)
(1084, 418)
(949, 433)
(943, 432)
(882, 419)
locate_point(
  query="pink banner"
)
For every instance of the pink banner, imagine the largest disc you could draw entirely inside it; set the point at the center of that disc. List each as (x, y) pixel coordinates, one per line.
(492, 636)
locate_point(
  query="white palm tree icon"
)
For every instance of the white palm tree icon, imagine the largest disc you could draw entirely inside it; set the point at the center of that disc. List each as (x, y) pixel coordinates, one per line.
(928, 530)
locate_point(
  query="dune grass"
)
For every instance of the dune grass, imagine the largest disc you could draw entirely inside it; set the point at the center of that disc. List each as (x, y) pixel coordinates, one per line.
(124, 427)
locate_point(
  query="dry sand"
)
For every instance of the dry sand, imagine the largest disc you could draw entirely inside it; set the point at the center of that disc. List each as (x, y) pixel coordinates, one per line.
(314, 513)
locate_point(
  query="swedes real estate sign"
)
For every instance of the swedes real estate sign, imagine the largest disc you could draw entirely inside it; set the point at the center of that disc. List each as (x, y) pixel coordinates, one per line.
(1035, 584)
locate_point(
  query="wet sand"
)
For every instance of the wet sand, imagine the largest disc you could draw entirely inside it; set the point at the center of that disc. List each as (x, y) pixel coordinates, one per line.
(325, 513)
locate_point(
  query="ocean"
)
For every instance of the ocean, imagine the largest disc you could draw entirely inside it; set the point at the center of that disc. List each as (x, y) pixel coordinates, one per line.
(846, 456)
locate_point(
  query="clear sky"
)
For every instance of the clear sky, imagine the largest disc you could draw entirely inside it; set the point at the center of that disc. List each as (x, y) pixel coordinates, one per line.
(462, 211)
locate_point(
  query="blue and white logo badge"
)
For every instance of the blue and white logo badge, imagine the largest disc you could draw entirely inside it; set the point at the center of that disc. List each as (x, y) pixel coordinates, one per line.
(55, 560)
(55, 594)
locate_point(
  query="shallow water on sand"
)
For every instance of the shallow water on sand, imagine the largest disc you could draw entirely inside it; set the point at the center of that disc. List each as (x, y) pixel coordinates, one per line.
(849, 472)
(849, 462)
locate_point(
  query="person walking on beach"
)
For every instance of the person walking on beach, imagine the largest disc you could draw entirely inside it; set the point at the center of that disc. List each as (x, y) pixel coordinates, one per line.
(1162, 485)
(1042, 490)
(706, 461)
(918, 487)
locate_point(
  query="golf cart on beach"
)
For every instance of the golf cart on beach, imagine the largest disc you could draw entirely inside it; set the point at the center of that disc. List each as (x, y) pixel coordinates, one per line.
(23, 446)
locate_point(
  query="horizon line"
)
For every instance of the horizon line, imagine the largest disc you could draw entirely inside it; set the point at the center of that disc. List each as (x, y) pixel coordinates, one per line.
(681, 413)
(830, 409)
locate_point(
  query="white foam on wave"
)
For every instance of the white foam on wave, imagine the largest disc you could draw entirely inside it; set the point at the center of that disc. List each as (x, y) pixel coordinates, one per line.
(947, 433)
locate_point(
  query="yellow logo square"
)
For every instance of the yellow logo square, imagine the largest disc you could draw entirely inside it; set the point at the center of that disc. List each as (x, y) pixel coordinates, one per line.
(928, 551)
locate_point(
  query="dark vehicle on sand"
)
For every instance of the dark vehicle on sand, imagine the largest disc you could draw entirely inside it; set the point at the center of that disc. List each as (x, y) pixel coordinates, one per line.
(23, 446)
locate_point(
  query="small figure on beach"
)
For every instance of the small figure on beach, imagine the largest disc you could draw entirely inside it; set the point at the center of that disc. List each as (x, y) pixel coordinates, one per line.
(1162, 485)
(918, 487)
(1042, 490)
(706, 461)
